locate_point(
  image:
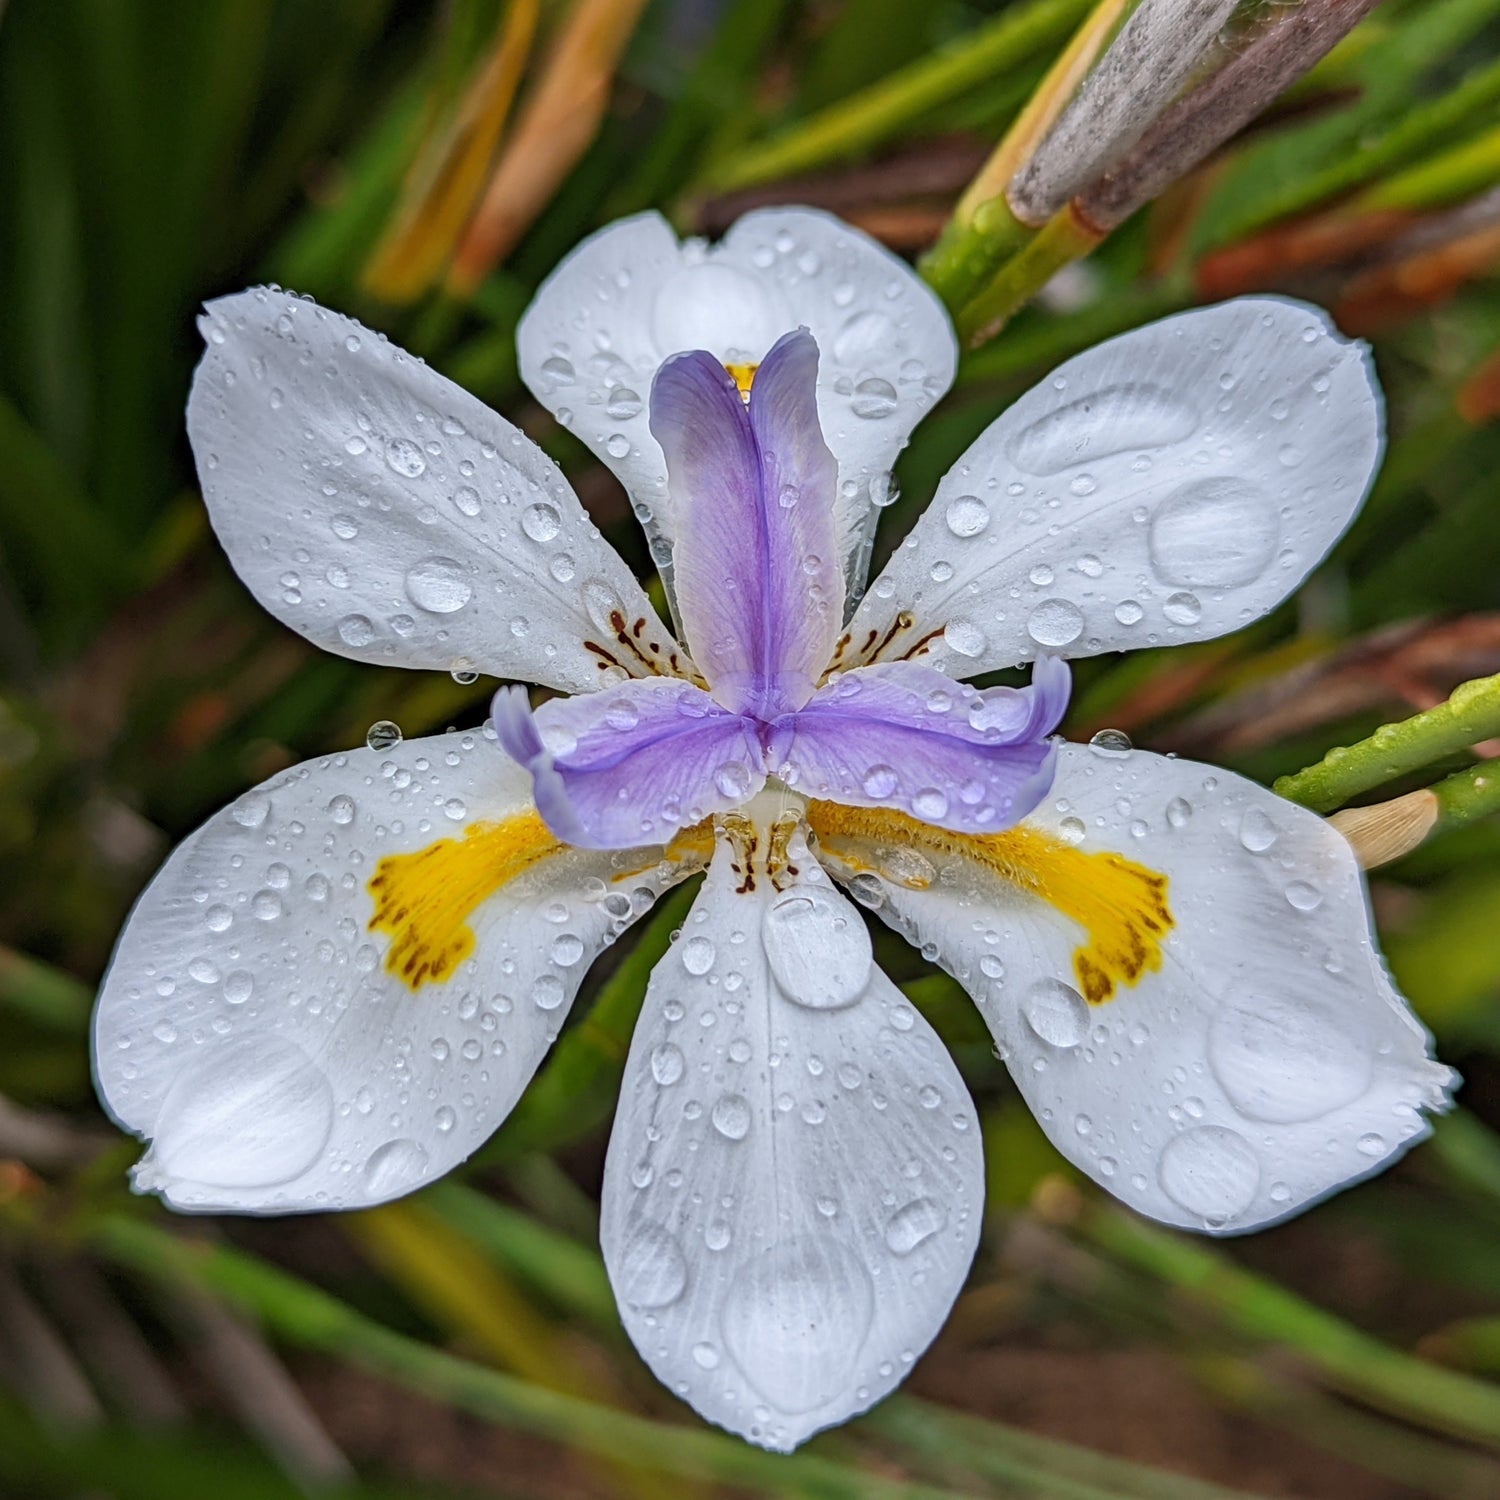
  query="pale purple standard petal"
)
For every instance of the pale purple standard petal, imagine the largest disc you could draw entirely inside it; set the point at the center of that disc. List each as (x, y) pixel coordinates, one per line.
(759, 587)
(905, 735)
(632, 764)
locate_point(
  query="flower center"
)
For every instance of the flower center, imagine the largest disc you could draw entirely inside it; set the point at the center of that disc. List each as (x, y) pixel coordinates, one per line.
(743, 377)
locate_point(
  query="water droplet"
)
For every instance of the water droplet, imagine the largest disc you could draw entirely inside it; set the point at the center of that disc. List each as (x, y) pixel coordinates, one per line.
(344, 527)
(1113, 420)
(930, 804)
(1056, 1012)
(1285, 1060)
(652, 1271)
(819, 952)
(623, 404)
(1210, 1171)
(1129, 612)
(438, 585)
(1112, 742)
(873, 399)
(250, 1114)
(964, 638)
(356, 631)
(967, 516)
(394, 1168)
(796, 1318)
(1214, 533)
(455, 809)
(1371, 1145)
(559, 370)
(567, 949)
(548, 992)
(405, 458)
(541, 522)
(1182, 609)
(1303, 896)
(383, 735)
(251, 810)
(731, 1117)
(880, 781)
(341, 808)
(733, 779)
(698, 954)
(863, 339)
(667, 1064)
(617, 445)
(1257, 831)
(466, 498)
(705, 1356)
(1055, 622)
(266, 905)
(919, 1220)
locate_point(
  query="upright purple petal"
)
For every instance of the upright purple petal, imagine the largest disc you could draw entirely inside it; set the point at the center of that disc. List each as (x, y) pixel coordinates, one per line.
(632, 764)
(752, 491)
(905, 735)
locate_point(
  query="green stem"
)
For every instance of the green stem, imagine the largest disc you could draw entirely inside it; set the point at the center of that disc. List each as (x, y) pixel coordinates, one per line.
(1349, 1360)
(876, 113)
(1467, 795)
(968, 254)
(1064, 239)
(43, 994)
(1447, 178)
(1471, 714)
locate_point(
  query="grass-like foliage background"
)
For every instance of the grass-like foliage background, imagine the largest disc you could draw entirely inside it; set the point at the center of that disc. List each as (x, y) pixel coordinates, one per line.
(423, 166)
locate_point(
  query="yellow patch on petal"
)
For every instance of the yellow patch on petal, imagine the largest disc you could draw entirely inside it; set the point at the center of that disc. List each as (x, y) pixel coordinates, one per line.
(424, 899)
(1121, 905)
(744, 377)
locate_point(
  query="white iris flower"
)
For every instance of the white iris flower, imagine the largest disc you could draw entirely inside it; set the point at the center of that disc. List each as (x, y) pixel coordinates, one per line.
(336, 989)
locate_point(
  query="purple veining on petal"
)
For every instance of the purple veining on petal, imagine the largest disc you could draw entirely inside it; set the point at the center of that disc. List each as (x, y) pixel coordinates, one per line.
(904, 735)
(633, 763)
(756, 558)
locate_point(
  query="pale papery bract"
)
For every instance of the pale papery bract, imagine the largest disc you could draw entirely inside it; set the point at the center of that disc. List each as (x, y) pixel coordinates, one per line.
(339, 986)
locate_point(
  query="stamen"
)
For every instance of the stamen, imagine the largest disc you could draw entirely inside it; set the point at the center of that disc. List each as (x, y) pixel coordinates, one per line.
(1121, 905)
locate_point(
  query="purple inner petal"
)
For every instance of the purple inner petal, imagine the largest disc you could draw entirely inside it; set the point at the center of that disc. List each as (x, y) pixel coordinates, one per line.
(632, 764)
(905, 735)
(756, 559)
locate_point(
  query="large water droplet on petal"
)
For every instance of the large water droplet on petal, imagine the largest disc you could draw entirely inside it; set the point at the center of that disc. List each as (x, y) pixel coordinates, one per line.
(1214, 533)
(438, 585)
(251, 1114)
(1282, 1060)
(1056, 1012)
(1210, 1171)
(796, 1318)
(819, 952)
(1112, 420)
(1055, 622)
(653, 1271)
(395, 1167)
(910, 1225)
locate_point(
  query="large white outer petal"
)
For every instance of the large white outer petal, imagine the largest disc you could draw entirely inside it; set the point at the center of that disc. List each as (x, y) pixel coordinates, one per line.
(1266, 1064)
(1172, 484)
(793, 1191)
(247, 1024)
(387, 515)
(630, 295)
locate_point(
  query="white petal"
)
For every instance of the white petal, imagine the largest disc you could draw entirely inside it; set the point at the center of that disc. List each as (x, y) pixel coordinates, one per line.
(794, 1184)
(389, 516)
(1173, 484)
(1266, 1062)
(629, 296)
(248, 1025)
